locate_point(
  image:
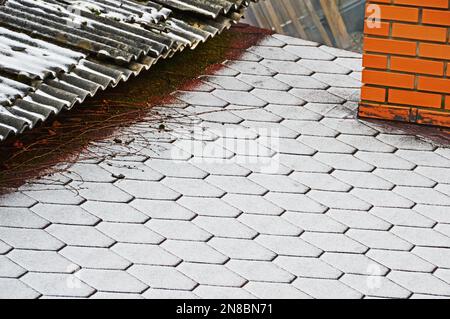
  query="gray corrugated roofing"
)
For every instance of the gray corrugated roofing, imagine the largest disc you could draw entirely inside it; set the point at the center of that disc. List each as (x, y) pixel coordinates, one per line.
(55, 53)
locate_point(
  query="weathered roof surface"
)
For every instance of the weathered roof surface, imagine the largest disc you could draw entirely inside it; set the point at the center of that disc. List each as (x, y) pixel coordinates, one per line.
(55, 53)
(275, 190)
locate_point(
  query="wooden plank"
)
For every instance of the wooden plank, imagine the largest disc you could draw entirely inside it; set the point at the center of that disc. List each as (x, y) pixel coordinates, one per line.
(336, 23)
(316, 20)
(259, 16)
(290, 10)
(272, 16)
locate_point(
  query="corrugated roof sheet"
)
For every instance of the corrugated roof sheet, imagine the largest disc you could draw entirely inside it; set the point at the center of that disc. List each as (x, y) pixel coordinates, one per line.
(55, 53)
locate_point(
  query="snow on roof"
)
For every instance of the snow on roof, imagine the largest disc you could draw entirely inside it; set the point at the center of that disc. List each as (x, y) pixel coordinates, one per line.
(55, 53)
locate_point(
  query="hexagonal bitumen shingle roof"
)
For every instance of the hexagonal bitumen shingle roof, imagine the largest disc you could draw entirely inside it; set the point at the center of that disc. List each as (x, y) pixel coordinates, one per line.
(273, 189)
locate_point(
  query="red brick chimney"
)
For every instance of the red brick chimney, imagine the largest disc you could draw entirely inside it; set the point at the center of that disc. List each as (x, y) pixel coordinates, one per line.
(407, 61)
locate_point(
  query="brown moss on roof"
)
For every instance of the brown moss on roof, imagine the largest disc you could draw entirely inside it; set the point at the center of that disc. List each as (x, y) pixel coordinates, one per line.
(34, 153)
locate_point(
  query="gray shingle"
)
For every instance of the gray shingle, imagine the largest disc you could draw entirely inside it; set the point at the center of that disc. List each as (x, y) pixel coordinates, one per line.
(208, 207)
(315, 222)
(436, 255)
(62, 285)
(53, 194)
(422, 236)
(193, 251)
(162, 277)
(379, 239)
(15, 289)
(423, 158)
(9, 269)
(375, 286)
(400, 260)
(93, 257)
(225, 227)
(307, 52)
(318, 181)
(363, 180)
(385, 160)
(16, 199)
(29, 239)
(286, 67)
(163, 209)
(271, 225)
(339, 200)
(270, 290)
(308, 267)
(111, 280)
(310, 128)
(177, 229)
(168, 294)
(148, 190)
(326, 288)
(22, 218)
(191, 187)
(354, 263)
(253, 204)
(402, 217)
(263, 82)
(65, 214)
(260, 271)
(327, 145)
(420, 282)
(80, 236)
(288, 246)
(425, 196)
(334, 242)
(295, 202)
(211, 275)
(42, 261)
(222, 293)
(130, 233)
(236, 185)
(146, 254)
(241, 249)
(382, 198)
(115, 212)
(359, 219)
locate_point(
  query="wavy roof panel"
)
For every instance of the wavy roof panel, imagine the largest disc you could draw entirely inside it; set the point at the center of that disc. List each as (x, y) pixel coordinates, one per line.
(55, 53)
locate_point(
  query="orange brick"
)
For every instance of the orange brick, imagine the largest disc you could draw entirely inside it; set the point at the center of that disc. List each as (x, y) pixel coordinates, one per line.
(438, 17)
(426, 33)
(390, 46)
(433, 118)
(371, 93)
(383, 30)
(414, 98)
(390, 12)
(440, 85)
(447, 102)
(437, 51)
(385, 112)
(417, 65)
(375, 61)
(424, 3)
(388, 79)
